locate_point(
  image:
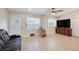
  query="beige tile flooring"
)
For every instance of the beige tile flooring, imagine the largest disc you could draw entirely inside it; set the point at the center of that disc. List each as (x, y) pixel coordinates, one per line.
(53, 42)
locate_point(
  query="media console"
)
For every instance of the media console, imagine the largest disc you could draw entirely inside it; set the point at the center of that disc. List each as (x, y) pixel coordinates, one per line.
(64, 31)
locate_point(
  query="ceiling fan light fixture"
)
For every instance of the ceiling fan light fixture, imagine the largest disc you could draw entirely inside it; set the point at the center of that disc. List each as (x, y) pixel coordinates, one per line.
(53, 13)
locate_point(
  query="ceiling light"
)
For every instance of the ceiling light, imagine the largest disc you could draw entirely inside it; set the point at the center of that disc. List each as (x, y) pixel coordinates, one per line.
(29, 9)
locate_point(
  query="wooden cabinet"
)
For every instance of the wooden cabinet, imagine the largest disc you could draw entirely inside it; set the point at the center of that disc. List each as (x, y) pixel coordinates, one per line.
(64, 31)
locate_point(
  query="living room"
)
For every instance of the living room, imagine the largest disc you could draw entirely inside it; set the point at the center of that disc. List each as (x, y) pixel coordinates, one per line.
(37, 28)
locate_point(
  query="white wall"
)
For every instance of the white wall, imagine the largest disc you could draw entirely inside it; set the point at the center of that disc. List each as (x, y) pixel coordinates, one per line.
(74, 16)
(3, 19)
(44, 21)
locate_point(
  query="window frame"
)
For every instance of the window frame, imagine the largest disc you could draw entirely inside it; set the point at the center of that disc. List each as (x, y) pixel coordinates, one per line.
(52, 22)
(33, 25)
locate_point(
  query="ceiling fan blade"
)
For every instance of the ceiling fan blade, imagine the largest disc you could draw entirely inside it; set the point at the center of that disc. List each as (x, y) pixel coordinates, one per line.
(59, 11)
(55, 12)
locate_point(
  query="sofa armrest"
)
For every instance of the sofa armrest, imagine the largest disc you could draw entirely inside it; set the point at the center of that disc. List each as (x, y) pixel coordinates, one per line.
(14, 36)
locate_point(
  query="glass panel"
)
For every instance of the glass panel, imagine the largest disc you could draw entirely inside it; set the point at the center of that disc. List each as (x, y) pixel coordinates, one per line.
(33, 23)
(51, 22)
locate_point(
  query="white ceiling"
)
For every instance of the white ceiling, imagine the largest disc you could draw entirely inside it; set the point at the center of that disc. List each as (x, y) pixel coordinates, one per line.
(41, 11)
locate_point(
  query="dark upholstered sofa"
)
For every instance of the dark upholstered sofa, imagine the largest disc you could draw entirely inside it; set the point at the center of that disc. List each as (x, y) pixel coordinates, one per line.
(9, 43)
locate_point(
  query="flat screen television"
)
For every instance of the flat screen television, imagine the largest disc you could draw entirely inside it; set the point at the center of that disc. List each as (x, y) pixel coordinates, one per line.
(63, 23)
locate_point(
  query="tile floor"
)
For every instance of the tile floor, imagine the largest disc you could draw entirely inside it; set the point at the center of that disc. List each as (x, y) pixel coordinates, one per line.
(53, 42)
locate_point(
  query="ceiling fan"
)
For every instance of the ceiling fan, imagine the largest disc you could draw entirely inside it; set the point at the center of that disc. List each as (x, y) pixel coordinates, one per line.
(55, 11)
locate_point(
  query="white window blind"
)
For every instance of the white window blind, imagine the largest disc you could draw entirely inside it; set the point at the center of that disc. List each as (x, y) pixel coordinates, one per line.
(33, 22)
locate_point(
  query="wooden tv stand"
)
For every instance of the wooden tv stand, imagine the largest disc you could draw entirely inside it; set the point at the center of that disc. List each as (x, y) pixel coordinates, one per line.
(64, 31)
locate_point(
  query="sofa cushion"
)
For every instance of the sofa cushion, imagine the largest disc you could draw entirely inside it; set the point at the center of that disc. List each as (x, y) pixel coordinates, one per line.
(4, 37)
(1, 44)
(13, 44)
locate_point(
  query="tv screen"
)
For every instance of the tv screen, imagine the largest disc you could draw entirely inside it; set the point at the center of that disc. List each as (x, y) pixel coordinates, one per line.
(63, 23)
